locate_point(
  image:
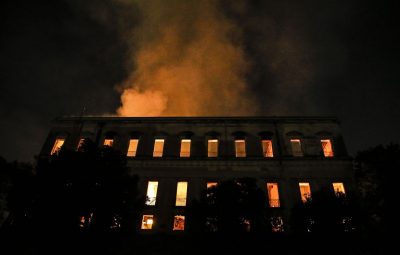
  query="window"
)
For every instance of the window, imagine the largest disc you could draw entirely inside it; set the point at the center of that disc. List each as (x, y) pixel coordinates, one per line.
(108, 142)
(211, 185)
(80, 143)
(296, 147)
(212, 148)
(338, 187)
(267, 148)
(240, 148)
(181, 193)
(147, 222)
(327, 147)
(151, 194)
(158, 148)
(185, 148)
(305, 191)
(273, 194)
(276, 224)
(133, 144)
(179, 223)
(57, 145)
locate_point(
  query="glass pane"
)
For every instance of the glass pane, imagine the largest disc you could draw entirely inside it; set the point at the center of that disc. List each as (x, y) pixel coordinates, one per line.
(181, 193)
(273, 194)
(185, 148)
(179, 223)
(151, 195)
(147, 222)
(212, 148)
(240, 147)
(267, 148)
(158, 148)
(57, 145)
(296, 148)
(133, 144)
(305, 191)
(327, 148)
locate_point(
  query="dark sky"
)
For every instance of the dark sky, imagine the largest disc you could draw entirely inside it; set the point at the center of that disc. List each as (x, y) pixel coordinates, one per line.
(307, 58)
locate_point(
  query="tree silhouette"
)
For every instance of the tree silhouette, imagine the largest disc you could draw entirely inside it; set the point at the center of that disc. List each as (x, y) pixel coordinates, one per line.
(230, 207)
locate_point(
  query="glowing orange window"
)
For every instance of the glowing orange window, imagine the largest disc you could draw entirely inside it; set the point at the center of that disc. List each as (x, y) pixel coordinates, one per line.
(273, 194)
(133, 144)
(305, 191)
(181, 194)
(338, 187)
(147, 221)
(212, 148)
(327, 147)
(267, 148)
(185, 148)
(179, 223)
(57, 145)
(296, 147)
(158, 148)
(240, 148)
(108, 142)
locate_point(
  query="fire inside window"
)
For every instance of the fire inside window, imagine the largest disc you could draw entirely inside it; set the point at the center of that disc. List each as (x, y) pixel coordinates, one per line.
(185, 148)
(147, 222)
(305, 191)
(158, 148)
(133, 144)
(108, 142)
(267, 148)
(296, 147)
(327, 147)
(181, 194)
(240, 148)
(151, 195)
(212, 148)
(57, 145)
(338, 187)
(273, 194)
(179, 223)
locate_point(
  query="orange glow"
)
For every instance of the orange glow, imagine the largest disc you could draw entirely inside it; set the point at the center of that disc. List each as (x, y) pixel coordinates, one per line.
(147, 221)
(305, 191)
(338, 187)
(212, 148)
(179, 223)
(211, 185)
(273, 195)
(193, 65)
(240, 148)
(185, 148)
(181, 194)
(267, 148)
(327, 147)
(57, 145)
(133, 144)
(108, 142)
(158, 148)
(296, 147)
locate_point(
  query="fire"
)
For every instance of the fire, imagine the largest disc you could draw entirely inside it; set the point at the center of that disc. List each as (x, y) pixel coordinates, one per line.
(185, 62)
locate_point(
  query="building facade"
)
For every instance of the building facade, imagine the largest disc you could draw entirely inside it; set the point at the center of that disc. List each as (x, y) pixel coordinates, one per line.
(177, 158)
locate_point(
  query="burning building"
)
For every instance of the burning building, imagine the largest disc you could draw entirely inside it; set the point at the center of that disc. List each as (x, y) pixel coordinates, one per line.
(177, 158)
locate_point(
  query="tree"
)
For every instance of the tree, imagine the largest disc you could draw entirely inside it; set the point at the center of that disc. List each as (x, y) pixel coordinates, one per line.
(230, 207)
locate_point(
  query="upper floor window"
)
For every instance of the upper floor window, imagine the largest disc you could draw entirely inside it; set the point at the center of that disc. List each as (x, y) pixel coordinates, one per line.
(267, 148)
(185, 148)
(296, 147)
(212, 148)
(57, 145)
(158, 147)
(338, 188)
(240, 148)
(305, 191)
(327, 147)
(151, 194)
(273, 194)
(133, 144)
(181, 194)
(108, 142)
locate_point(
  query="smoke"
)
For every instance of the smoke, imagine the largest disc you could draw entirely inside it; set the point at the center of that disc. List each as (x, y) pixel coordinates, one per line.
(186, 60)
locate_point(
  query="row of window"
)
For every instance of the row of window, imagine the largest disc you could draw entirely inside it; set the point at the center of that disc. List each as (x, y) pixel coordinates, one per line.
(272, 191)
(212, 147)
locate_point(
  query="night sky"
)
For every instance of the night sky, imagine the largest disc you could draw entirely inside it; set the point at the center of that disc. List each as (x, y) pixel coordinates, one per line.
(299, 58)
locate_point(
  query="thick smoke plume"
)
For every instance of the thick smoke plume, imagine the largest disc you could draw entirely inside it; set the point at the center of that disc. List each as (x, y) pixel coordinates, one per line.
(186, 60)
